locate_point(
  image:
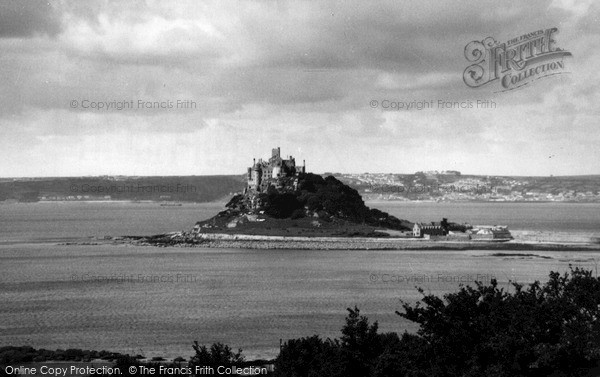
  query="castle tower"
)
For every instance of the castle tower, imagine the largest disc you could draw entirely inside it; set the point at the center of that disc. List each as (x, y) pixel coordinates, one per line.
(276, 152)
(256, 177)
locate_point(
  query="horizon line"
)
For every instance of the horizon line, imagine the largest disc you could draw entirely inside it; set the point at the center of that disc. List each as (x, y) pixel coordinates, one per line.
(323, 173)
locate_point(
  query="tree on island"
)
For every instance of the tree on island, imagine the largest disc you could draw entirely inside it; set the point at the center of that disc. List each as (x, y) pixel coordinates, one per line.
(311, 195)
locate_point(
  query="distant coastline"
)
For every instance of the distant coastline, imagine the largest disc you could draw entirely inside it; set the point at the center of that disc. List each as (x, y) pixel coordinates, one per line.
(124, 201)
(368, 199)
(388, 187)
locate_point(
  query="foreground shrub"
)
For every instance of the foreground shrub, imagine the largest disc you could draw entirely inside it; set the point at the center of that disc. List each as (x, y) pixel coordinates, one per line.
(218, 354)
(543, 330)
(537, 331)
(310, 356)
(355, 354)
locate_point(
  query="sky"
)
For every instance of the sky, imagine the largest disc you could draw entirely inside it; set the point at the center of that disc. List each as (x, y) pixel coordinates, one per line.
(300, 75)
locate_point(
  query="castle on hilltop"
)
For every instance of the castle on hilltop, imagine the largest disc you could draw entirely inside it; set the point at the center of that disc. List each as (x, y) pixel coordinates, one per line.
(263, 174)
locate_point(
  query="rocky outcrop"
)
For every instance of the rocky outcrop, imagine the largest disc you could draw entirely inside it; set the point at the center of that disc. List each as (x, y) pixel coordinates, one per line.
(305, 200)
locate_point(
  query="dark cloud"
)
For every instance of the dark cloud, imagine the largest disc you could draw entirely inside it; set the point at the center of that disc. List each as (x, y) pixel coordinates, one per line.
(413, 36)
(24, 19)
(282, 72)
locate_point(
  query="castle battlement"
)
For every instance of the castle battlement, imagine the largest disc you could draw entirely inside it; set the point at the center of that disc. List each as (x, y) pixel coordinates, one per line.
(263, 174)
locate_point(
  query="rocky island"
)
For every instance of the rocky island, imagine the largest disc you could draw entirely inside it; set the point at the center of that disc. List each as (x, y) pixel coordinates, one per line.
(285, 207)
(282, 199)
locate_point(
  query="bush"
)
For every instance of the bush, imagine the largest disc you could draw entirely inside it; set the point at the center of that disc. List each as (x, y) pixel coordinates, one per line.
(281, 206)
(217, 355)
(310, 356)
(297, 214)
(543, 330)
(356, 354)
(554, 328)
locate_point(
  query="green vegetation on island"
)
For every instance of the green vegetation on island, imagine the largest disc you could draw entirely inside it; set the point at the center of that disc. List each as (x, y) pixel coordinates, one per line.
(303, 205)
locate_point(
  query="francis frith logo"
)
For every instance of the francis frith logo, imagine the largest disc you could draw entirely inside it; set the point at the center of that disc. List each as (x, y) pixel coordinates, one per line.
(514, 63)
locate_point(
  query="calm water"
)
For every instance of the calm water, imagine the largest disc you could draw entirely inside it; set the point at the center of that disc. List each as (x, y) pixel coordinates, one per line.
(156, 301)
(563, 217)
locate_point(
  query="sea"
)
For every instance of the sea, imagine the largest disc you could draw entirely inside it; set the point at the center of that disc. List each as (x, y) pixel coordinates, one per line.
(57, 293)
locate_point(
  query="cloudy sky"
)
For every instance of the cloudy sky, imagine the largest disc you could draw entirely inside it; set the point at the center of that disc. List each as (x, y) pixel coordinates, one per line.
(300, 75)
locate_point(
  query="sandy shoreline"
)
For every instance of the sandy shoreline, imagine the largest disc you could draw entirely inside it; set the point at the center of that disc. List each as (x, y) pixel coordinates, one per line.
(240, 241)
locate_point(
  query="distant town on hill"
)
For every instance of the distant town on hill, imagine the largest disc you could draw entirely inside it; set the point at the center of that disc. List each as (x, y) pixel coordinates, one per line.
(453, 186)
(445, 186)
